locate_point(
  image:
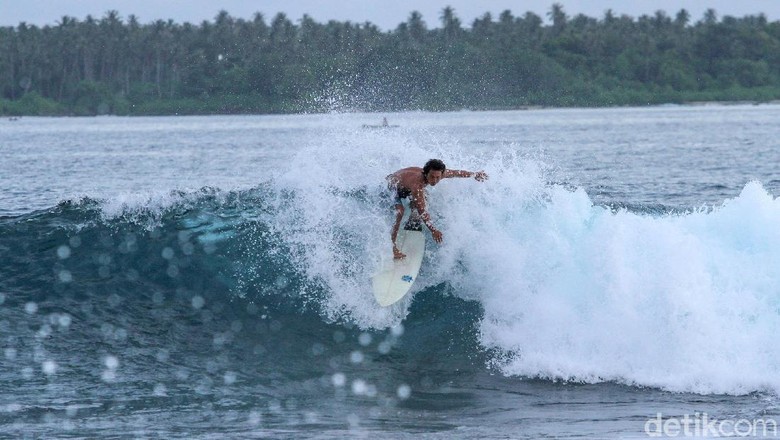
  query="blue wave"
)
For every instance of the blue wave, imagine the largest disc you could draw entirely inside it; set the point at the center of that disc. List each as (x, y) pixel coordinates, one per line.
(536, 287)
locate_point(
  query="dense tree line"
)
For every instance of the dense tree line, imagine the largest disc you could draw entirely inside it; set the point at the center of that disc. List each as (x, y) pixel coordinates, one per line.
(111, 65)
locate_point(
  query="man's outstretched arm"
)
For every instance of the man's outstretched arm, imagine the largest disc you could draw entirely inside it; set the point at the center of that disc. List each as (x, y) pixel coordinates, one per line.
(479, 176)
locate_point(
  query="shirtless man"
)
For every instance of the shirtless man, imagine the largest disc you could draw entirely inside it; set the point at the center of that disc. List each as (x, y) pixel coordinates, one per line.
(411, 182)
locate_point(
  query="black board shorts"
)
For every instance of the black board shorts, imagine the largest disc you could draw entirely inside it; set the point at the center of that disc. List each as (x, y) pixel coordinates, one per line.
(398, 194)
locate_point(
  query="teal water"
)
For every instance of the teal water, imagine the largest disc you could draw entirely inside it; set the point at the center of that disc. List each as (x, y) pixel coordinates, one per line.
(199, 277)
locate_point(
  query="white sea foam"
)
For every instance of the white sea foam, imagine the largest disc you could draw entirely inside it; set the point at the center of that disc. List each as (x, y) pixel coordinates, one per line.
(149, 204)
(684, 303)
(570, 291)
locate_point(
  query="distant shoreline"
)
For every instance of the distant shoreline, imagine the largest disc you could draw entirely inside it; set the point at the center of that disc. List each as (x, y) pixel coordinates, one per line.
(16, 117)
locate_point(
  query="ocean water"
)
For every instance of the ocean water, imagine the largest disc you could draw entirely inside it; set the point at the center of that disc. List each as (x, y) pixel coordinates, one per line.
(618, 276)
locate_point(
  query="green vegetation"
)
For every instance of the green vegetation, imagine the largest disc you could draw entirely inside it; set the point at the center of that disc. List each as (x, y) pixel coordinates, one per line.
(230, 65)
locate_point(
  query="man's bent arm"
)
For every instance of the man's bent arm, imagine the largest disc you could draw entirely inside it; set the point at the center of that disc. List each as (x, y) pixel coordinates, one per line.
(419, 203)
(426, 218)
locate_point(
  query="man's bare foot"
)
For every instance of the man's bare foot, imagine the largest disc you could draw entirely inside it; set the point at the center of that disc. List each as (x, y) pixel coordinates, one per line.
(397, 254)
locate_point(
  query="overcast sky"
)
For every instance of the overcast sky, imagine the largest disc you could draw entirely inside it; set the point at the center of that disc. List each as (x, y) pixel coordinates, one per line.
(384, 13)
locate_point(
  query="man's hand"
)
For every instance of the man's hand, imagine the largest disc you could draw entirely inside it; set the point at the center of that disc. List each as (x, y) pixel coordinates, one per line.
(436, 234)
(480, 176)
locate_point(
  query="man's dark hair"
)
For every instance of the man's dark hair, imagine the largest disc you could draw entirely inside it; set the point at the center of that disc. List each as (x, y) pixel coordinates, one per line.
(434, 164)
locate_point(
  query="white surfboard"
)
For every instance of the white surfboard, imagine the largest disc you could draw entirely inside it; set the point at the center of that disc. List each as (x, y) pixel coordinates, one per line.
(396, 277)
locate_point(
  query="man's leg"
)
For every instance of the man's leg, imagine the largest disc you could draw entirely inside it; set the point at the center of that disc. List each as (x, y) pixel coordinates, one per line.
(399, 215)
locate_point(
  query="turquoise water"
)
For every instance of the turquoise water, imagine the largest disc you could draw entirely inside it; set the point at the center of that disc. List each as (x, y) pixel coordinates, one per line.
(196, 277)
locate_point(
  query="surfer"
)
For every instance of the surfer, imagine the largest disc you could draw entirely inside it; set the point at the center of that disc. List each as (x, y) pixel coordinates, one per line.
(411, 182)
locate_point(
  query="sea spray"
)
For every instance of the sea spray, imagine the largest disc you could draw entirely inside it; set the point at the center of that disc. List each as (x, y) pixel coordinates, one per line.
(569, 290)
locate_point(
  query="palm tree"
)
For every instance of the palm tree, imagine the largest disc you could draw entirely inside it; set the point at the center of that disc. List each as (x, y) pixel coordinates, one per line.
(417, 27)
(450, 25)
(558, 18)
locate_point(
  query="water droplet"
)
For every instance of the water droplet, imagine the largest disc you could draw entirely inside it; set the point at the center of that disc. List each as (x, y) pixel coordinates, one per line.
(359, 387)
(64, 320)
(356, 357)
(404, 391)
(132, 275)
(187, 248)
(111, 362)
(44, 331)
(384, 347)
(162, 355)
(63, 252)
(167, 253)
(339, 380)
(49, 367)
(120, 334)
(65, 276)
(114, 300)
(317, 349)
(198, 302)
